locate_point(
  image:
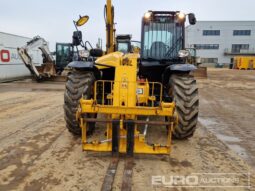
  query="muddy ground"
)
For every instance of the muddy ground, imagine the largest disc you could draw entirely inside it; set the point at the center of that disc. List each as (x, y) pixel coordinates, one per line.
(38, 153)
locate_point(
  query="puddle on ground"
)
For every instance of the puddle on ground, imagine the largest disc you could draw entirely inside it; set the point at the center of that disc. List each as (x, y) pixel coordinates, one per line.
(228, 138)
(208, 122)
(230, 141)
(239, 150)
(212, 125)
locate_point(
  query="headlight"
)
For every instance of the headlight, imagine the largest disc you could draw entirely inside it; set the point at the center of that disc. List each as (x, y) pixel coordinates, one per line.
(183, 53)
(181, 16)
(147, 15)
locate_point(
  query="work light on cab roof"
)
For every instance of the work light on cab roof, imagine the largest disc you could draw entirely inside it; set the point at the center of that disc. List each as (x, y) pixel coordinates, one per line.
(179, 16)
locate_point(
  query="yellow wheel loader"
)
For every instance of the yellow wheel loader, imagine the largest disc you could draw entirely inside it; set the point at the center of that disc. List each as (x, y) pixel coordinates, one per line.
(127, 87)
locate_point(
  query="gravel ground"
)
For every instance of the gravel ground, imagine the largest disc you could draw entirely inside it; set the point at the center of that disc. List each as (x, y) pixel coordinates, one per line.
(38, 153)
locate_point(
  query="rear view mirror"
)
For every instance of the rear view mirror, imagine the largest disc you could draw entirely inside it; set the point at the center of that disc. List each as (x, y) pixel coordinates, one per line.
(82, 21)
(192, 19)
(96, 52)
(77, 38)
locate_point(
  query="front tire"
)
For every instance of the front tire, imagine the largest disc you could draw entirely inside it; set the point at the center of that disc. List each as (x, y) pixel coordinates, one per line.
(184, 92)
(78, 84)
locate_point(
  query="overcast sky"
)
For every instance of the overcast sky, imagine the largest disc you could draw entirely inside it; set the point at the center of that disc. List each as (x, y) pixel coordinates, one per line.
(52, 19)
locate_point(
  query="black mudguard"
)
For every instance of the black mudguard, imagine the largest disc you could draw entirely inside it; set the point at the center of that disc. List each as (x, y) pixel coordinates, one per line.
(182, 67)
(85, 66)
(177, 68)
(81, 65)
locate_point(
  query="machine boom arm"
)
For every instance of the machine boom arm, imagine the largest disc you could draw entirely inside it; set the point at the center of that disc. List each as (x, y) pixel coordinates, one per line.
(110, 30)
(48, 68)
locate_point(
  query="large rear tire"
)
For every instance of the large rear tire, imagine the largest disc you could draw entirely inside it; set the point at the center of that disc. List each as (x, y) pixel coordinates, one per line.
(184, 91)
(78, 84)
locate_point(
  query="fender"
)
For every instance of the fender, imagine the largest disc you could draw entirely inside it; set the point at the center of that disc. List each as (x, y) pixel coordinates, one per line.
(182, 67)
(85, 66)
(81, 65)
(177, 68)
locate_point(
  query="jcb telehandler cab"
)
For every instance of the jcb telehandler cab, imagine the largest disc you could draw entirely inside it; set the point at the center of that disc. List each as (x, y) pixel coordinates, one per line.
(164, 59)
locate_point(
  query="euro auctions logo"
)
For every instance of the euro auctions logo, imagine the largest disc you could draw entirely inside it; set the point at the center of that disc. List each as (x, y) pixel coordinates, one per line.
(204, 180)
(5, 56)
(175, 181)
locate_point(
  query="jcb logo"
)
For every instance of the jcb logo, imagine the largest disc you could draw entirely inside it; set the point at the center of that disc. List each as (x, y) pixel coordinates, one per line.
(5, 56)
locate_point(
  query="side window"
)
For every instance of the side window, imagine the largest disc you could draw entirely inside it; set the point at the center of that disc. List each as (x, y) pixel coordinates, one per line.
(123, 47)
(66, 50)
(59, 50)
(63, 50)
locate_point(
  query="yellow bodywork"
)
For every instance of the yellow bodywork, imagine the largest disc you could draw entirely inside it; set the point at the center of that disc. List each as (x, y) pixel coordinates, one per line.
(128, 99)
(244, 62)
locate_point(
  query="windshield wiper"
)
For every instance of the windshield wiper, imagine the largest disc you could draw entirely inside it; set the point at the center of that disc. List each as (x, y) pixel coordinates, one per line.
(172, 49)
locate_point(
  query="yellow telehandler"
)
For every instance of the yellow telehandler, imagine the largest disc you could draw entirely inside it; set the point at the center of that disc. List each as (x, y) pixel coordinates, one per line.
(156, 82)
(126, 86)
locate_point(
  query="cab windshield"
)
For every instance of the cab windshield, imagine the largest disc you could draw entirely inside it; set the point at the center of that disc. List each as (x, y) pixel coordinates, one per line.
(161, 40)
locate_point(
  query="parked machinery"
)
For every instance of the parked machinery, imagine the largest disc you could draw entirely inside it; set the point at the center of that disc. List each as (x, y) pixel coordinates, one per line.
(51, 67)
(201, 71)
(244, 62)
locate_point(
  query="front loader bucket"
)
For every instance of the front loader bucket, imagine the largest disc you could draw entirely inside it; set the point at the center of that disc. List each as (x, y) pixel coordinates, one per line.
(201, 72)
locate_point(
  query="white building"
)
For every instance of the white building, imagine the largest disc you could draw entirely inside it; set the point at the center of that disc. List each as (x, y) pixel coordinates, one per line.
(11, 65)
(220, 41)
